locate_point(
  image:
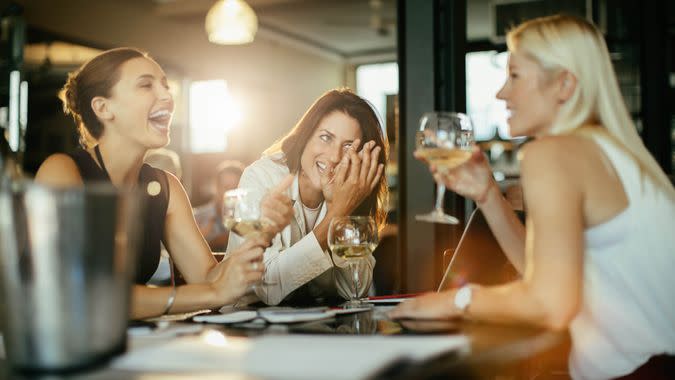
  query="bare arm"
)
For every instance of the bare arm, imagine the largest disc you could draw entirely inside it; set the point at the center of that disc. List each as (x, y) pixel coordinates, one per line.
(550, 292)
(183, 239)
(505, 225)
(474, 180)
(230, 283)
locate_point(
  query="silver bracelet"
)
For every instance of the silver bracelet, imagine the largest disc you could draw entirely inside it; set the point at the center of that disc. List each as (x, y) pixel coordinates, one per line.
(170, 300)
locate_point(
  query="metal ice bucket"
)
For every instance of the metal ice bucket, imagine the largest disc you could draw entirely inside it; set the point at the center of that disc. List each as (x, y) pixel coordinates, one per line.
(67, 260)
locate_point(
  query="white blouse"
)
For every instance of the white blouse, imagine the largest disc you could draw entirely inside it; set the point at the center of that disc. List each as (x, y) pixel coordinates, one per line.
(295, 258)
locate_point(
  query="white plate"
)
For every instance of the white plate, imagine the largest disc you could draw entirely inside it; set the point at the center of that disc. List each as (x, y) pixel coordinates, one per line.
(235, 317)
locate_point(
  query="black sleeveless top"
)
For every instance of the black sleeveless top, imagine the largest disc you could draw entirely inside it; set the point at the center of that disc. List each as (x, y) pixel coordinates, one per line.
(154, 214)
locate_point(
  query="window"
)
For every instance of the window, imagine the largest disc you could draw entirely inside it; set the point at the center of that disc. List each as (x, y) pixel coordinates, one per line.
(374, 82)
(485, 75)
(213, 113)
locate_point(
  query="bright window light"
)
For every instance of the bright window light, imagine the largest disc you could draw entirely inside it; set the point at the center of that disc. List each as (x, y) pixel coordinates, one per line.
(485, 75)
(374, 82)
(213, 113)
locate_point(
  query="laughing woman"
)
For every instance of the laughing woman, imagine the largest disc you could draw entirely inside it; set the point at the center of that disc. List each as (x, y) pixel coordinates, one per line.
(336, 154)
(121, 102)
(596, 254)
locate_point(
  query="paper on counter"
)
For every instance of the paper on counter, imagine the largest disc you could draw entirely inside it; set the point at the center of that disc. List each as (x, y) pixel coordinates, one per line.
(296, 357)
(341, 357)
(208, 352)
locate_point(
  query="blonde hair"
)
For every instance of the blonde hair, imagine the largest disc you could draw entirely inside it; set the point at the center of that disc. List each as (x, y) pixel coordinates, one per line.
(567, 43)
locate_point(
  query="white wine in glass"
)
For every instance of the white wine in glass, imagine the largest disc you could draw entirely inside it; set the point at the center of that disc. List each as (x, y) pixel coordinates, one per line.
(243, 216)
(444, 139)
(353, 238)
(351, 252)
(244, 228)
(445, 158)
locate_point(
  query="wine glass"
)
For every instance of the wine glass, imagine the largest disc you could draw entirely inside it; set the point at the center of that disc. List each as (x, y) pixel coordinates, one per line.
(242, 215)
(444, 139)
(353, 238)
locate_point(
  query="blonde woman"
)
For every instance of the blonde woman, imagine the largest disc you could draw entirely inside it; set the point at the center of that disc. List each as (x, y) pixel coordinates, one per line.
(596, 255)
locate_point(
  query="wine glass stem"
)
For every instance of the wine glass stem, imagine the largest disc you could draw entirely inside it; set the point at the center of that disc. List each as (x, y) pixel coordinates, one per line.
(355, 279)
(440, 193)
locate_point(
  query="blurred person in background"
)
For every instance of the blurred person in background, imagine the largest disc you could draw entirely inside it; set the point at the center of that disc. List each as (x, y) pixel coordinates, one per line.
(209, 216)
(165, 159)
(121, 103)
(596, 255)
(336, 155)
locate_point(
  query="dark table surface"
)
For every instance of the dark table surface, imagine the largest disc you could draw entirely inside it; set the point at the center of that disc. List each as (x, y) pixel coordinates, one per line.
(495, 350)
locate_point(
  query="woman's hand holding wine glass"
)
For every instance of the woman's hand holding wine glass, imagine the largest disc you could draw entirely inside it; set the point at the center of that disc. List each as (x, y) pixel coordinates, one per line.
(444, 140)
(473, 179)
(258, 217)
(239, 272)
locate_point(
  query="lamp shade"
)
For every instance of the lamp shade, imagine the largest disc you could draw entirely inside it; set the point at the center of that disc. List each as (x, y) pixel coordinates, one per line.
(231, 22)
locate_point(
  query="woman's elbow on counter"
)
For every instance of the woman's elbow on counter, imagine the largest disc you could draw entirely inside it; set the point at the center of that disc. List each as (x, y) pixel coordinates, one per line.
(559, 316)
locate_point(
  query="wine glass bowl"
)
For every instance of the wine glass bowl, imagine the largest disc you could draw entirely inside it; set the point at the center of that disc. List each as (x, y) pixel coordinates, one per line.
(444, 139)
(353, 238)
(242, 214)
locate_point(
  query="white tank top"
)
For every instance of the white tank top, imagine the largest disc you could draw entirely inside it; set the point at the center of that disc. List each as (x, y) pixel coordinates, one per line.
(628, 310)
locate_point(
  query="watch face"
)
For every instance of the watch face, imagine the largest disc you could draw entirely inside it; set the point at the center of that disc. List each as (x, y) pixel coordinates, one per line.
(463, 298)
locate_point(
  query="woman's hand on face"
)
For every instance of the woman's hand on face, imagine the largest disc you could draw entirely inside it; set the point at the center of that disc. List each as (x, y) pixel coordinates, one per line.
(241, 269)
(355, 177)
(429, 306)
(277, 208)
(473, 179)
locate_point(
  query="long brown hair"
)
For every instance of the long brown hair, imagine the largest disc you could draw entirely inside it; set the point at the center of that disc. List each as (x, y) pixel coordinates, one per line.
(95, 77)
(342, 100)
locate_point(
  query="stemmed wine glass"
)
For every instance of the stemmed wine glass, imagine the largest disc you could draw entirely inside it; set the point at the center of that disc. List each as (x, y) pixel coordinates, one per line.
(242, 215)
(353, 238)
(444, 139)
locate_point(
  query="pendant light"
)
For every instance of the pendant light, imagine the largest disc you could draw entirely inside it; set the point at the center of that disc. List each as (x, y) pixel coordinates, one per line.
(231, 22)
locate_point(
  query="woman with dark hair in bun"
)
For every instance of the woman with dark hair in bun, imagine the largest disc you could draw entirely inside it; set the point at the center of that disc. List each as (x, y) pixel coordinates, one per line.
(121, 103)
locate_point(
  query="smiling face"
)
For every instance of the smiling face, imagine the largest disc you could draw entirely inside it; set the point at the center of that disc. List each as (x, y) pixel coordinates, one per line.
(531, 98)
(140, 106)
(335, 132)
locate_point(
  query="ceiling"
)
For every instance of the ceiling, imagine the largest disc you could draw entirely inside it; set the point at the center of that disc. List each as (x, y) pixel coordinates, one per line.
(341, 28)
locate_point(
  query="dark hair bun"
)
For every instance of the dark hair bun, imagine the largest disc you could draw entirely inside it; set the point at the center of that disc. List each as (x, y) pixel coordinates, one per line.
(68, 95)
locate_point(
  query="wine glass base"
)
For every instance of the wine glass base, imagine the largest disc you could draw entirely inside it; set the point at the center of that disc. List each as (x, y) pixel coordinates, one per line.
(437, 217)
(356, 304)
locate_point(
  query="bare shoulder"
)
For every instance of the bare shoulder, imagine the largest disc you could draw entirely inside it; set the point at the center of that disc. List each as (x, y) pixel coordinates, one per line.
(59, 170)
(178, 200)
(561, 154)
(174, 183)
(552, 164)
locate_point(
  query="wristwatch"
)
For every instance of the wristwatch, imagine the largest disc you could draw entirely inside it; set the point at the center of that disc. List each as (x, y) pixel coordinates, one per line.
(463, 298)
